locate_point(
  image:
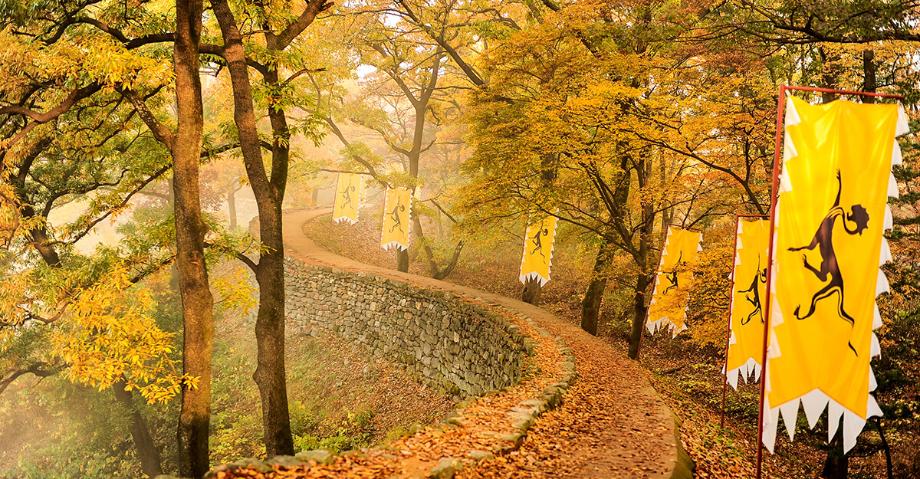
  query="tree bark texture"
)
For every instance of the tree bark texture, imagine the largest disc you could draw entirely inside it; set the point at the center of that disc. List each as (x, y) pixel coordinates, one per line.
(268, 188)
(144, 446)
(231, 208)
(646, 274)
(836, 464)
(197, 302)
(402, 260)
(594, 295)
(530, 293)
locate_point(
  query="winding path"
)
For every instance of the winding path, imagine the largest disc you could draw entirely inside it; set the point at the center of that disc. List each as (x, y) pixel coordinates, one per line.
(611, 423)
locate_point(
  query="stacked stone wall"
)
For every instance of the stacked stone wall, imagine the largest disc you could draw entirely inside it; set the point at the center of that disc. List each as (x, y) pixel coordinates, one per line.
(447, 342)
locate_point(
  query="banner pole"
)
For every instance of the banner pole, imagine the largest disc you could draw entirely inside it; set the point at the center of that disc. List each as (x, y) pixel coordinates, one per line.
(728, 333)
(813, 89)
(725, 372)
(777, 146)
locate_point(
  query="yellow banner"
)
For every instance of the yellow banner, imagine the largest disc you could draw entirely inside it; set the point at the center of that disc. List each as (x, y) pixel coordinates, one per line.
(538, 250)
(348, 195)
(668, 308)
(831, 215)
(749, 287)
(397, 209)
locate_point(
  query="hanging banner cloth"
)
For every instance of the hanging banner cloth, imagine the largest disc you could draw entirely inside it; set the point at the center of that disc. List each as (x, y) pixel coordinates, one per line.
(668, 308)
(749, 288)
(539, 239)
(348, 195)
(397, 209)
(830, 216)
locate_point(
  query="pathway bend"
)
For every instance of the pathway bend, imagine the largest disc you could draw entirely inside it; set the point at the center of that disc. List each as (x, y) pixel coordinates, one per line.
(611, 424)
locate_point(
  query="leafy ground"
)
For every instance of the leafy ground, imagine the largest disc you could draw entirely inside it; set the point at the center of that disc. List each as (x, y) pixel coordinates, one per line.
(594, 433)
(688, 377)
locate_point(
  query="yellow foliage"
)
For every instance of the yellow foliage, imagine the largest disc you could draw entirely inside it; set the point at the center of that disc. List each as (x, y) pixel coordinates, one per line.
(234, 288)
(710, 288)
(107, 334)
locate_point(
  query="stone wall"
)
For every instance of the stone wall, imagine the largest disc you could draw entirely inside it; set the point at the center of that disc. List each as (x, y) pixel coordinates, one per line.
(447, 342)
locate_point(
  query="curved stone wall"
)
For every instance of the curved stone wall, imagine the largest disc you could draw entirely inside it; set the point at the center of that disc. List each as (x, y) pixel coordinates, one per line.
(447, 342)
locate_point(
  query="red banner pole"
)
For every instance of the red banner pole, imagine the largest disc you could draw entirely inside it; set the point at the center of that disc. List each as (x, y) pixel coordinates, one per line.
(777, 146)
(778, 141)
(844, 92)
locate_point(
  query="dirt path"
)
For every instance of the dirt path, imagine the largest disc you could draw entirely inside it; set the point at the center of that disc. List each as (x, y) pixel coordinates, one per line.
(612, 424)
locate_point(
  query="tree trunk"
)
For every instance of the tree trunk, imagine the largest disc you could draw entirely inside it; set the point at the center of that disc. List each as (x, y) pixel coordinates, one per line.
(836, 465)
(144, 446)
(829, 74)
(414, 155)
(269, 194)
(870, 83)
(270, 370)
(594, 295)
(231, 208)
(436, 271)
(197, 302)
(402, 260)
(640, 311)
(270, 320)
(644, 277)
(531, 291)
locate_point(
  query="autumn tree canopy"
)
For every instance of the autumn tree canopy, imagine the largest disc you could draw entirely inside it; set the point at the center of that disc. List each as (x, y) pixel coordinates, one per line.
(144, 144)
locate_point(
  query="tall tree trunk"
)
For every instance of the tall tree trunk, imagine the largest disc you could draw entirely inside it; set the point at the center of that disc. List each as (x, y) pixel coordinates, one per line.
(870, 83)
(231, 208)
(645, 276)
(836, 465)
(640, 311)
(144, 446)
(594, 295)
(420, 103)
(270, 374)
(436, 271)
(197, 302)
(530, 293)
(269, 194)
(402, 260)
(829, 74)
